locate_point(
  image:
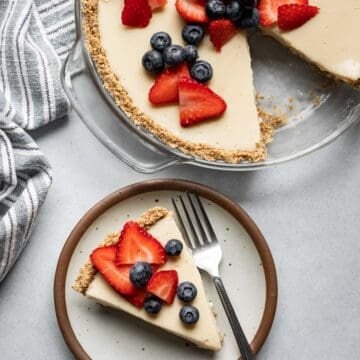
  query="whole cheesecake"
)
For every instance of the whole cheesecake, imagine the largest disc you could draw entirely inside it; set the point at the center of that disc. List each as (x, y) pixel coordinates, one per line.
(160, 224)
(243, 130)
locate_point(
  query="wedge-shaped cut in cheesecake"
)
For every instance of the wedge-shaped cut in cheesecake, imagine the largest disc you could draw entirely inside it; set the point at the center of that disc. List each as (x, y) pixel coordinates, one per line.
(329, 39)
(161, 225)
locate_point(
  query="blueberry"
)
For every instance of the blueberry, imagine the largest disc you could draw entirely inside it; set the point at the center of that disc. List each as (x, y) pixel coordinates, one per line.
(160, 40)
(174, 55)
(153, 61)
(249, 4)
(234, 10)
(140, 274)
(215, 9)
(191, 53)
(152, 305)
(201, 71)
(192, 34)
(189, 314)
(186, 291)
(250, 19)
(173, 247)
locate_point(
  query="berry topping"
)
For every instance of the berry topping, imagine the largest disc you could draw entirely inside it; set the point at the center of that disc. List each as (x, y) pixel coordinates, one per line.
(173, 247)
(152, 305)
(136, 13)
(189, 315)
(215, 9)
(250, 19)
(221, 31)
(160, 40)
(103, 259)
(165, 89)
(138, 299)
(293, 16)
(198, 103)
(249, 4)
(192, 10)
(268, 9)
(156, 4)
(153, 61)
(201, 71)
(186, 291)
(136, 244)
(192, 33)
(191, 53)
(174, 55)
(140, 274)
(234, 10)
(163, 284)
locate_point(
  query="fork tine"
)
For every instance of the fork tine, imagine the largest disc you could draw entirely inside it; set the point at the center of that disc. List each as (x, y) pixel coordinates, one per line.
(212, 236)
(197, 242)
(197, 218)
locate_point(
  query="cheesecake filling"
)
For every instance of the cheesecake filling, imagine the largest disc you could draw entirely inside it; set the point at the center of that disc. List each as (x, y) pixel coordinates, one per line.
(162, 226)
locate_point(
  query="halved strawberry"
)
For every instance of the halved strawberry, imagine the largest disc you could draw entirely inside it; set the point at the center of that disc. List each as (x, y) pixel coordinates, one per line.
(136, 244)
(197, 102)
(165, 88)
(221, 31)
(137, 299)
(163, 284)
(192, 10)
(136, 13)
(293, 16)
(156, 4)
(103, 259)
(268, 9)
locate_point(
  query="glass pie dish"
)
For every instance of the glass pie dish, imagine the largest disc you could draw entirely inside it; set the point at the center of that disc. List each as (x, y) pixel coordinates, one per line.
(318, 110)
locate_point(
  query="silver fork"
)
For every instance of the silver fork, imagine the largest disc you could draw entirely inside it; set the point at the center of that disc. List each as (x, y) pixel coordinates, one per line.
(207, 254)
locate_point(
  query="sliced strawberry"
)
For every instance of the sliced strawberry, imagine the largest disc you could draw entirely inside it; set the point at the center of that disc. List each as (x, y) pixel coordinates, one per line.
(163, 284)
(103, 259)
(136, 244)
(165, 88)
(192, 10)
(293, 16)
(197, 102)
(157, 4)
(136, 13)
(137, 299)
(221, 31)
(268, 9)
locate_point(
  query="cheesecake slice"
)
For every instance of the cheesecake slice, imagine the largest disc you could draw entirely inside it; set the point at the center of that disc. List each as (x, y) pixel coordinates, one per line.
(160, 223)
(329, 40)
(117, 50)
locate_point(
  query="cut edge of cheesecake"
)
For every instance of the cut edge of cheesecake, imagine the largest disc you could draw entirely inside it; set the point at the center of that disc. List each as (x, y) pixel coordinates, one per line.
(88, 275)
(268, 122)
(296, 51)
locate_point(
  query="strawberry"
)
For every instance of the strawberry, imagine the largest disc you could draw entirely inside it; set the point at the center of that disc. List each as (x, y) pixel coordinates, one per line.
(165, 88)
(268, 9)
(163, 284)
(136, 13)
(293, 16)
(197, 102)
(221, 31)
(136, 244)
(192, 10)
(156, 4)
(137, 299)
(103, 259)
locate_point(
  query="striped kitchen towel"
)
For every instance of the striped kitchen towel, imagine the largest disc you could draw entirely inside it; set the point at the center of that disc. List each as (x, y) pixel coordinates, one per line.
(35, 37)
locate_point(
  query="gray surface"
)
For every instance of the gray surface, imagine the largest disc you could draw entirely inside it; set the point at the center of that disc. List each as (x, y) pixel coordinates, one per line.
(308, 210)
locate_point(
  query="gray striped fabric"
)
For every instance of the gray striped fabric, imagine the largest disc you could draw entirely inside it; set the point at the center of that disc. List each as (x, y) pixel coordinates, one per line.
(35, 36)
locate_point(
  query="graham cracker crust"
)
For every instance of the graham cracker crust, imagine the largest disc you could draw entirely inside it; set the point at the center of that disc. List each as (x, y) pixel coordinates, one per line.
(268, 123)
(88, 271)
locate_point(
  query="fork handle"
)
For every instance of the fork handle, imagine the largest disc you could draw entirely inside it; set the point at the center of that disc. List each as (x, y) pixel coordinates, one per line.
(244, 346)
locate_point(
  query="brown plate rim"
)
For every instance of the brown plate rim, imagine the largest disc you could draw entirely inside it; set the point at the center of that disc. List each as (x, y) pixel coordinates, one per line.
(163, 185)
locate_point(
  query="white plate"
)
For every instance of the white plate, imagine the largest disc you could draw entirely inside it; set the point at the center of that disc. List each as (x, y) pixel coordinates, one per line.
(96, 332)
